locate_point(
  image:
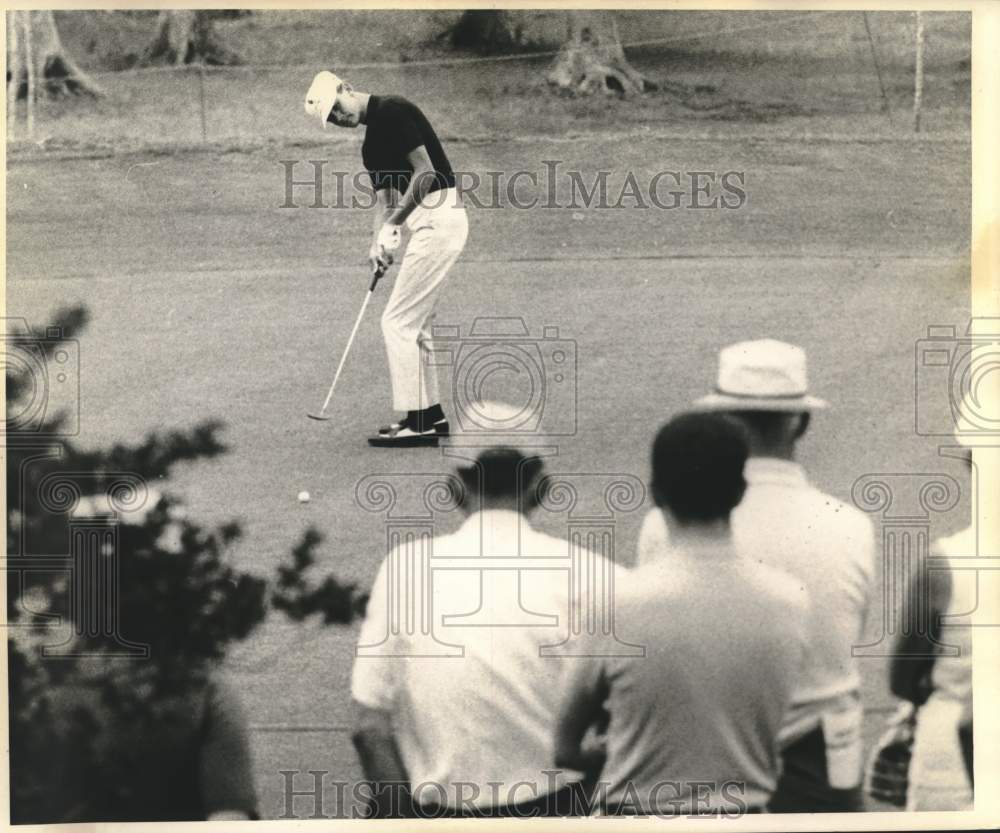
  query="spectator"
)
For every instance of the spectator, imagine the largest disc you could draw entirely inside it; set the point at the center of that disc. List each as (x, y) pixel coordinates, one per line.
(182, 755)
(932, 668)
(201, 768)
(828, 547)
(694, 724)
(474, 729)
(122, 739)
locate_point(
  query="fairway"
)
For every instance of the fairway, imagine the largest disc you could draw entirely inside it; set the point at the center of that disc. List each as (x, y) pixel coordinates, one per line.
(209, 300)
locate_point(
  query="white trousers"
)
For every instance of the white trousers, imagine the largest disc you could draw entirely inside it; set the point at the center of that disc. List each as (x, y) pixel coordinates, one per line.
(438, 230)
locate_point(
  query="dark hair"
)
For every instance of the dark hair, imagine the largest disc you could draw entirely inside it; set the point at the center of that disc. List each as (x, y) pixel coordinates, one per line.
(698, 466)
(770, 426)
(500, 473)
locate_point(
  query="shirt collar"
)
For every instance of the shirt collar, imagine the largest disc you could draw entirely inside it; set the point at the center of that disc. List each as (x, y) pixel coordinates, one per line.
(711, 556)
(704, 552)
(774, 471)
(502, 519)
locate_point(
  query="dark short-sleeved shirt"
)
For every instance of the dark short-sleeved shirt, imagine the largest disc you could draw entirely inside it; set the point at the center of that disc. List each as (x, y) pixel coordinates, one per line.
(202, 764)
(395, 127)
(192, 760)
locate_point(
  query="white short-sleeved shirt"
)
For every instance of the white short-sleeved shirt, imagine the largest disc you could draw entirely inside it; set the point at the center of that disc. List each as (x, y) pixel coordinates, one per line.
(486, 717)
(829, 548)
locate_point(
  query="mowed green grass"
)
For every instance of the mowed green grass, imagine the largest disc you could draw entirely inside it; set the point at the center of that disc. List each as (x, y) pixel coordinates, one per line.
(210, 301)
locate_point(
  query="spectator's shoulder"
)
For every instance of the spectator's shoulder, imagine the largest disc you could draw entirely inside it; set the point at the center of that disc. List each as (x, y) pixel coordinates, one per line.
(633, 584)
(837, 510)
(604, 566)
(221, 694)
(783, 589)
(961, 543)
(595, 564)
(838, 521)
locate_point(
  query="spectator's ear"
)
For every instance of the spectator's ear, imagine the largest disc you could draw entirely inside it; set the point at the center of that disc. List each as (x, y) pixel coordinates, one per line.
(659, 499)
(803, 425)
(531, 483)
(668, 518)
(469, 475)
(740, 492)
(531, 472)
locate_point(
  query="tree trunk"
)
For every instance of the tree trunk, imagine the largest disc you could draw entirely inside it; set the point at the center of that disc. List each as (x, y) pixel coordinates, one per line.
(44, 64)
(185, 36)
(592, 60)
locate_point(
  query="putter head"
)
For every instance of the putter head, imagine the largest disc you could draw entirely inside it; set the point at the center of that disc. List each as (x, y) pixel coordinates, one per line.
(320, 417)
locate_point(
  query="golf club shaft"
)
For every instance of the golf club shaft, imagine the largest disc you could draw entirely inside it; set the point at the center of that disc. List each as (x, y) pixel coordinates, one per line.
(350, 341)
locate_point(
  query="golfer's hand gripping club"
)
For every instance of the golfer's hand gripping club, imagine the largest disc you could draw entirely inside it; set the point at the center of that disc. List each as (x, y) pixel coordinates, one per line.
(383, 249)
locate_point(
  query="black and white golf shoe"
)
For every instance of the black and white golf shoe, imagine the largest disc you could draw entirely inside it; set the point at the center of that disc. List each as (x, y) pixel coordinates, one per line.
(401, 435)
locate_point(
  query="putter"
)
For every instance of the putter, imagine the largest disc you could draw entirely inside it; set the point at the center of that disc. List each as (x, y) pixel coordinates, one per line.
(321, 415)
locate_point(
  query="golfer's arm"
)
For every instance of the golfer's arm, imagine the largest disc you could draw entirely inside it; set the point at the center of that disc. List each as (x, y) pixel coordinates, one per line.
(385, 200)
(420, 185)
(381, 762)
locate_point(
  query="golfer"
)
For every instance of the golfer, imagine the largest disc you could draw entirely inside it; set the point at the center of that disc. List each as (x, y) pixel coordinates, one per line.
(414, 184)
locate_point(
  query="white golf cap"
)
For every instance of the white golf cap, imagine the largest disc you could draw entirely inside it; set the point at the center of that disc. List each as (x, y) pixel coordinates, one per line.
(322, 95)
(763, 375)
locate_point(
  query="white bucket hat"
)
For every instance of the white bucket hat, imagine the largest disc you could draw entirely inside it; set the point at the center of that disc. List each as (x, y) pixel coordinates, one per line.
(763, 375)
(322, 95)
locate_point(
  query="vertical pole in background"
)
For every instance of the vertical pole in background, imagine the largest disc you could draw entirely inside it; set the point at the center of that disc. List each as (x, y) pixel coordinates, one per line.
(918, 80)
(878, 68)
(29, 64)
(13, 67)
(201, 97)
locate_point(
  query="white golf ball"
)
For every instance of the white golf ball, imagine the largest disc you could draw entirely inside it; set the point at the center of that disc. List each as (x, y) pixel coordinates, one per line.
(303, 497)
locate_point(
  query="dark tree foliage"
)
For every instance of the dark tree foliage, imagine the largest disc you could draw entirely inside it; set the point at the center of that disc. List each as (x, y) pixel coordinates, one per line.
(337, 603)
(86, 727)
